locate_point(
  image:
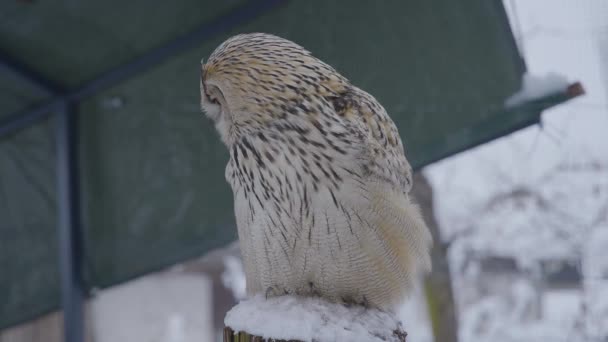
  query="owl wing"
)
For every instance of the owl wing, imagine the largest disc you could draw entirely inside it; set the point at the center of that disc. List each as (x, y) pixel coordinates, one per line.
(381, 150)
(381, 195)
(246, 223)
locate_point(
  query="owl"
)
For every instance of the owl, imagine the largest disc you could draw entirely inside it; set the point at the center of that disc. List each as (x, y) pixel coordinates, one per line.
(319, 177)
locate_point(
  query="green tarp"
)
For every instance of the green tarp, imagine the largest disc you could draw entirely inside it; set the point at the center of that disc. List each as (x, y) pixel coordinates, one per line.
(152, 168)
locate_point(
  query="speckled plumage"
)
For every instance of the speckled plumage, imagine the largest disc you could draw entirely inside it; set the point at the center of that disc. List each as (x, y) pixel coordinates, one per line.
(319, 176)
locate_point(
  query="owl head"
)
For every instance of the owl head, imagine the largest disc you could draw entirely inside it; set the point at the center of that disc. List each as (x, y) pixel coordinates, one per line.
(252, 80)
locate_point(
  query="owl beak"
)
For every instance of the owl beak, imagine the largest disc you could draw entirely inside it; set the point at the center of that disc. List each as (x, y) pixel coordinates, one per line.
(202, 75)
(203, 87)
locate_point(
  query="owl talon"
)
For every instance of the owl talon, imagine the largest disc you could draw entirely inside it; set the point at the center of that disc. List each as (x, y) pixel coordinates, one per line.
(313, 290)
(272, 291)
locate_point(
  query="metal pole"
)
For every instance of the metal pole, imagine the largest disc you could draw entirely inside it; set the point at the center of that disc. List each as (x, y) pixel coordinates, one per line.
(69, 228)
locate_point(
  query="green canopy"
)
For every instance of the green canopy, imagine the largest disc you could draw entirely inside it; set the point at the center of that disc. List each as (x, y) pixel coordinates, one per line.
(151, 183)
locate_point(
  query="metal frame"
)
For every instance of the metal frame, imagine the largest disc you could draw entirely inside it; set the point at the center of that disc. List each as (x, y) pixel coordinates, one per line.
(19, 71)
(69, 227)
(63, 103)
(247, 12)
(536, 106)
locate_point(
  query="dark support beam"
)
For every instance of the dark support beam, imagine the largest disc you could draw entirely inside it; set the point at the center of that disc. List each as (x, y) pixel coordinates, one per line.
(14, 68)
(247, 12)
(243, 14)
(15, 122)
(69, 228)
(528, 113)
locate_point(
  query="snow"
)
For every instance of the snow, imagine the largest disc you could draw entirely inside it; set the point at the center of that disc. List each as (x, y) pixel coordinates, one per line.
(499, 318)
(156, 308)
(414, 315)
(534, 87)
(561, 306)
(310, 319)
(541, 193)
(233, 276)
(596, 282)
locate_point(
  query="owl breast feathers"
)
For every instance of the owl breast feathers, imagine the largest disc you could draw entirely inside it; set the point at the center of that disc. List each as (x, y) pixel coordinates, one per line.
(319, 176)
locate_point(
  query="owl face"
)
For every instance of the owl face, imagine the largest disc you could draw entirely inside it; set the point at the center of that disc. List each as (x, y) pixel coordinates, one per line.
(210, 103)
(253, 80)
(214, 105)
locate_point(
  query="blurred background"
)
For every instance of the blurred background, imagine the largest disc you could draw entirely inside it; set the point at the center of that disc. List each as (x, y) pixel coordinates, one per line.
(116, 223)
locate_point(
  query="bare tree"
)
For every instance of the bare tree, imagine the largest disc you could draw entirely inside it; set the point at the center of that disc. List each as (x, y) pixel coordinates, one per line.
(438, 285)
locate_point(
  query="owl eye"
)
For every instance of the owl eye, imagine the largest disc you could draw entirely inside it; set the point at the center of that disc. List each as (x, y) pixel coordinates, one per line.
(212, 99)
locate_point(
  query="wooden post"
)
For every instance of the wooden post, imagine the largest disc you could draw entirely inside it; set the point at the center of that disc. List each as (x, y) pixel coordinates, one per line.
(438, 285)
(231, 336)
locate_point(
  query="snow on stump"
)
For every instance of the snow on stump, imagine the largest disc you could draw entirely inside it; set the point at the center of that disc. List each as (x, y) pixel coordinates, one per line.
(291, 318)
